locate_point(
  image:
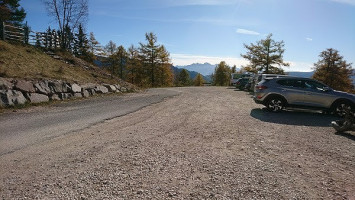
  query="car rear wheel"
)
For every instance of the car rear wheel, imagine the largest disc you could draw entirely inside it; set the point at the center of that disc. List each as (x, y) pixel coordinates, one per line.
(342, 108)
(275, 104)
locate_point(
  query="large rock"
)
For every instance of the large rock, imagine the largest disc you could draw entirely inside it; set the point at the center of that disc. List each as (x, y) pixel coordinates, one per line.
(123, 89)
(5, 84)
(88, 86)
(85, 93)
(25, 86)
(75, 88)
(78, 95)
(91, 91)
(118, 87)
(101, 89)
(54, 97)
(59, 87)
(11, 97)
(37, 98)
(110, 88)
(42, 87)
(64, 96)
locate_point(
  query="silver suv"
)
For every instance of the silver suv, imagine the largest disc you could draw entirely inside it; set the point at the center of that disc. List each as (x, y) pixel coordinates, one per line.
(278, 93)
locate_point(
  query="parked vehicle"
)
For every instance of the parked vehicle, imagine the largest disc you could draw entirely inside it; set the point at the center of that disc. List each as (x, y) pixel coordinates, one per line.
(278, 93)
(250, 84)
(240, 84)
(259, 77)
(236, 76)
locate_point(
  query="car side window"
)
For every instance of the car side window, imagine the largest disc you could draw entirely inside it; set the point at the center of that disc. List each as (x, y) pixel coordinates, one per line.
(291, 83)
(298, 84)
(314, 85)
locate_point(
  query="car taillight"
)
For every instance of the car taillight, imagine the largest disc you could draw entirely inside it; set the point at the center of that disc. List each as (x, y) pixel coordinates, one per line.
(261, 87)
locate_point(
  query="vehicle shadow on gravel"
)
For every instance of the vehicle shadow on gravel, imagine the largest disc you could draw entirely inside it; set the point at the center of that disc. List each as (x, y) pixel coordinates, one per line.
(347, 135)
(298, 118)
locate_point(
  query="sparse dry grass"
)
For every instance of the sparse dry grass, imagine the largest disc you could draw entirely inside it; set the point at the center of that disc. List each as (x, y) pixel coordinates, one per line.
(22, 61)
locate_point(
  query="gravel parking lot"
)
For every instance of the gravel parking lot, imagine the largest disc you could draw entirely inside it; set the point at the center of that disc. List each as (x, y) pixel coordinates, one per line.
(205, 143)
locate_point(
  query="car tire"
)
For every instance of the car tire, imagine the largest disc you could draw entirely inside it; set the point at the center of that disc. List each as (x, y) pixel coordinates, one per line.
(342, 108)
(275, 104)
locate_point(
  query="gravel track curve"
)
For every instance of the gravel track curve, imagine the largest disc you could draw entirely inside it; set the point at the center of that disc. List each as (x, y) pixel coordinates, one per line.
(206, 143)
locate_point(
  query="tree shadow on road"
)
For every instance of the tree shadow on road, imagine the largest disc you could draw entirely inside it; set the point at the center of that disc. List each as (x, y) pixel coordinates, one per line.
(298, 118)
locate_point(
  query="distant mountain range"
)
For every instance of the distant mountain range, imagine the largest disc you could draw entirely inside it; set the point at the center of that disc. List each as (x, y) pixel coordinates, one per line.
(205, 69)
(192, 74)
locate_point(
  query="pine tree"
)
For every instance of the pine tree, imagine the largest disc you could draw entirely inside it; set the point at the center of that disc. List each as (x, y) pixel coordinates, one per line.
(266, 55)
(11, 12)
(183, 78)
(333, 71)
(198, 80)
(82, 44)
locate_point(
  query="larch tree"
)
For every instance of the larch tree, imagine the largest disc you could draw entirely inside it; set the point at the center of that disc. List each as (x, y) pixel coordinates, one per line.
(334, 71)
(221, 76)
(120, 59)
(156, 61)
(135, 68)
(199, 80)
(93, 47)
(266, 55)
(110, 49)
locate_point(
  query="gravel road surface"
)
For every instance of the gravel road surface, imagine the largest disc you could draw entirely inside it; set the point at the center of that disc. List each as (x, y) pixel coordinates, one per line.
(201, 143)
(27, 127)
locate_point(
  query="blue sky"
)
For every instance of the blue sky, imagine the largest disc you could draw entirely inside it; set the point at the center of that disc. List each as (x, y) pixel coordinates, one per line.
(198, 31)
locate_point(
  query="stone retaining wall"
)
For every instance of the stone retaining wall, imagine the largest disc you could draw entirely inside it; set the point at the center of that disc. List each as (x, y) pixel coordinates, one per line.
(17, 92)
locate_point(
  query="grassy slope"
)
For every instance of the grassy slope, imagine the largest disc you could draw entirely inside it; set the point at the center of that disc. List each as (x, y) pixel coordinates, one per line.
(18, 61)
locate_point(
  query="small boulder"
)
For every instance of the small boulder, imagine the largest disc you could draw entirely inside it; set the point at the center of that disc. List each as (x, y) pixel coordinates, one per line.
(111, 88)
(55, 97)
(59, 87)
(5, 84)
(78, 95)
(11, 97)
(37, 98)
(25, 86)
(123, 89)
(85, 93)
(118, 87)
(42, 87)
(101, 89)
(75, 88)
(63, 96)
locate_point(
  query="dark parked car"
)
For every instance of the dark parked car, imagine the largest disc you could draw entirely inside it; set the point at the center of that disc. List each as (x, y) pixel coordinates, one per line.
(240, 84)
(278, 93)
